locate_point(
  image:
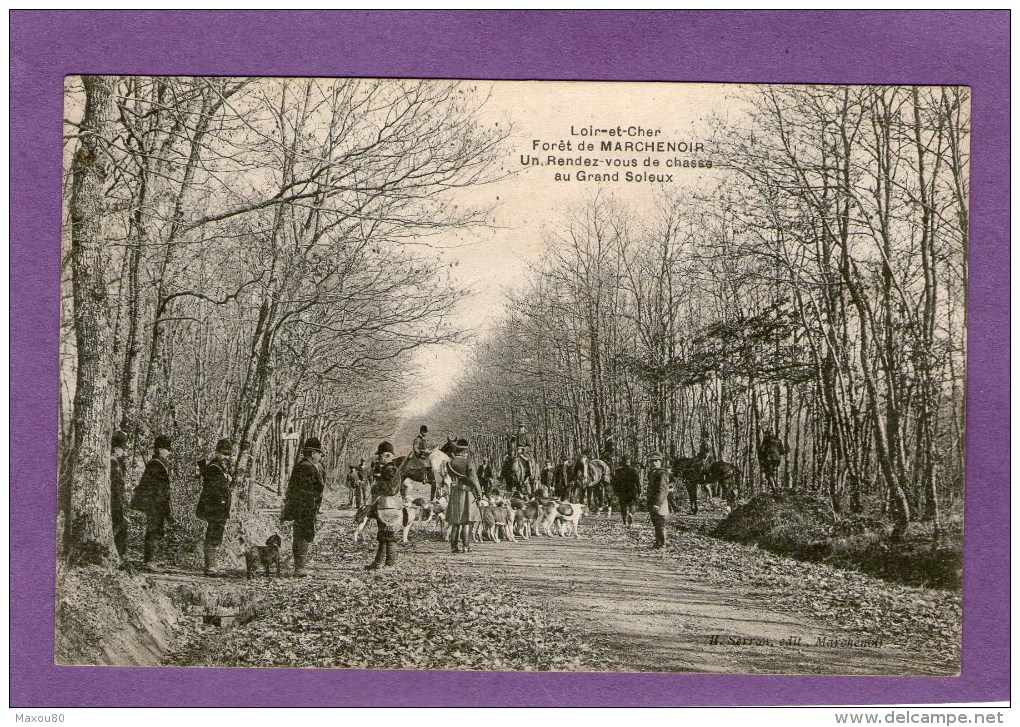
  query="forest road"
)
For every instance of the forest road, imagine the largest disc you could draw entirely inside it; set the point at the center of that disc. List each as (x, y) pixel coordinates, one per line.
(652, 616)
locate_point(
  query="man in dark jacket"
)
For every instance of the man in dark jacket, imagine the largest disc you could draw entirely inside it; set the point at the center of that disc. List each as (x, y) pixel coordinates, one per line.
(627, 486)
(214, 502)
(302, 501)
(118, 450)
(658, 497)
(152, 496)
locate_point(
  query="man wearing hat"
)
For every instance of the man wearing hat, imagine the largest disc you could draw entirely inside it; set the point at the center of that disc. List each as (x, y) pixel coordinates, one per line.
(152, 497)
(465, 492)
(627, 486)
(658, 497)
(522, 442)
(387, 509)
(420, 451)
(420, 446)
(214, 502)
(118, 450)
(302, 501)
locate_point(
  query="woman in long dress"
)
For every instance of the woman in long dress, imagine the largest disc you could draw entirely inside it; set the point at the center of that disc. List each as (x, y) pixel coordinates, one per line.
(465, 492)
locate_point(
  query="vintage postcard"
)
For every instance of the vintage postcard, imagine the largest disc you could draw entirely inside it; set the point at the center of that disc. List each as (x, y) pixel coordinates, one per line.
(377, 374)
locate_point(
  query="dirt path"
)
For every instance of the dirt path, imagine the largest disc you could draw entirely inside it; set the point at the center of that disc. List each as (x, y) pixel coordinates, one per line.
(701, 605)
(652, 616)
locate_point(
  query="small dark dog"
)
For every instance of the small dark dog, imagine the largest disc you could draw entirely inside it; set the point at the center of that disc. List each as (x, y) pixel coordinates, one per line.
(268, 555)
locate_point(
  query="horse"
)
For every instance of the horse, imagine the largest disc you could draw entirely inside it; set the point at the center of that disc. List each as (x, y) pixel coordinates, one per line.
(692, 472)
(593, 479)
(701, 471)
(411, 468)
(515, 475)
(727, 476)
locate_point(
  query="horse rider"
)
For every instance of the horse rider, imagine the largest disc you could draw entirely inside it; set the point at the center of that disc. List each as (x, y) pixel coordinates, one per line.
(420, 448)
(608, 447)
(771, 450)
(522, 446)
(420, 451)
(462, 512)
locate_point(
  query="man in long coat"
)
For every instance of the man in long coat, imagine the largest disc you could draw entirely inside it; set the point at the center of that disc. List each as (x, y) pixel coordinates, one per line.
(118, 447)
(627, 486)
(214, 502)
(302, 502)
(658, 498)
(152, 497)
(465, 492)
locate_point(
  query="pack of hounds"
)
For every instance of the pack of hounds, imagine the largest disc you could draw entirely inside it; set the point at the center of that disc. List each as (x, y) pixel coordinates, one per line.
(502, 518)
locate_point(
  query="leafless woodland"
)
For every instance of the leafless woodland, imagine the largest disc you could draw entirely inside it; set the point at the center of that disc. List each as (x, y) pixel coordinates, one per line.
(816, 289)
(247, 257)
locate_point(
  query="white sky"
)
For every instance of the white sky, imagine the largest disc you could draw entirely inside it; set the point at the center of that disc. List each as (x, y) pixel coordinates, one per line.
(493, 261)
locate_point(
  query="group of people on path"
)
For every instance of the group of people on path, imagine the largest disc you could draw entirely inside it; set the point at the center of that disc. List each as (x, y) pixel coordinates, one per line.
(376, 489)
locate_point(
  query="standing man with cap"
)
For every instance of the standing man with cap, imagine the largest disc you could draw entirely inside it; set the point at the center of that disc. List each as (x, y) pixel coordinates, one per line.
(214, 502)
(658, 498)
(627, 486)
(387, 509)
(465, 492)
(152, 496)
(118, 450)
(301, 504)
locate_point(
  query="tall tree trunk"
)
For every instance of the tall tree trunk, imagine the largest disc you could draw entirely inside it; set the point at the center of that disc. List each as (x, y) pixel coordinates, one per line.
(91, 535)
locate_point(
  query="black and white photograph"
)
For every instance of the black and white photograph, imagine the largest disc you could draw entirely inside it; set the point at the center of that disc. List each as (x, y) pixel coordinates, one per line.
(570, 376)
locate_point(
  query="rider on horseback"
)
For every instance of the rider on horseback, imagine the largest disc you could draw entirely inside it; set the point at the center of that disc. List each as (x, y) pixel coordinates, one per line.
(420, 451)
(522, 444)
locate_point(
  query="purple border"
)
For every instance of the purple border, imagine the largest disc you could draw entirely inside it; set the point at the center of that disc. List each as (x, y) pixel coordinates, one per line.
(970, 48)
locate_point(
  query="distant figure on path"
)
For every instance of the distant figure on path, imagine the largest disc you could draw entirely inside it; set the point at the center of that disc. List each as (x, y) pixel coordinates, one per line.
(354, 484)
